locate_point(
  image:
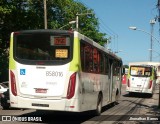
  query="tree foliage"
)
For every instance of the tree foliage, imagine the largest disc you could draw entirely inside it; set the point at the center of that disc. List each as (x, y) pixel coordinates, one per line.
(125, 66)
(29, 14)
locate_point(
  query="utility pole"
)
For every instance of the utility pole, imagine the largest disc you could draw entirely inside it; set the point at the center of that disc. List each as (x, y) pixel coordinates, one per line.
(152, 22)
(77, 19)
(45, 14)
(158, 6)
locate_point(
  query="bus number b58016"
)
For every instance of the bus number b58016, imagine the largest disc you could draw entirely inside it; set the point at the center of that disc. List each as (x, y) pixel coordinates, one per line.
(54, 73)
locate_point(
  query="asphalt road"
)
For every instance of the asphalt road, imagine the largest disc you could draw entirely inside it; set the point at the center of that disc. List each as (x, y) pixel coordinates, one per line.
(135, 109)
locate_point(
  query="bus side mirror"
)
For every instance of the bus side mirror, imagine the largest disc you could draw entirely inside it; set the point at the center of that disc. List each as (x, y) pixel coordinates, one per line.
(123, 71)
(156, 77)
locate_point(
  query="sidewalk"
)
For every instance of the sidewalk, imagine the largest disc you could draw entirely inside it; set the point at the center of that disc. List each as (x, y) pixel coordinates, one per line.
(153, 103)
(149, 108)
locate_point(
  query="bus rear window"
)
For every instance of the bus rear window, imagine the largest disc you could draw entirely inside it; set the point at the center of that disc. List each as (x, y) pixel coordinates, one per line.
(140, 71)
(42, 46)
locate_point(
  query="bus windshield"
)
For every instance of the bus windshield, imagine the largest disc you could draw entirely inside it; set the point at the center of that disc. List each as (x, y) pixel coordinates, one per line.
(140, 71)
(44, 46)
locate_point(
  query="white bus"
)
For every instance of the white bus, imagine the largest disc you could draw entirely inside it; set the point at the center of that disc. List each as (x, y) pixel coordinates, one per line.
(157, 68)
(62, 71)
(141, 78)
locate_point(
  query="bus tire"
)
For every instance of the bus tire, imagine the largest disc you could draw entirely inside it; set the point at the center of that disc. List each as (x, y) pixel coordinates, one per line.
(99, 104)
(150, 95)
(5, 107)
(130, 94)
(116, 97)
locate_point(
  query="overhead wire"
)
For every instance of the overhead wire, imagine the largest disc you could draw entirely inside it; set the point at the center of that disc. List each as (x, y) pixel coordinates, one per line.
(106, 29)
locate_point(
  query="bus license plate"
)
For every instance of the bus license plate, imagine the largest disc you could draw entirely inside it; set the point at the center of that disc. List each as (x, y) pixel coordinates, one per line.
(39, 90)
(139, 85)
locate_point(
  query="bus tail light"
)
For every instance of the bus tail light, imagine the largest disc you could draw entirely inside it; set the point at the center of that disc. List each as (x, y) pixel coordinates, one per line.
(128, 83)
(150, 84)
(13, 84)
(71, 86)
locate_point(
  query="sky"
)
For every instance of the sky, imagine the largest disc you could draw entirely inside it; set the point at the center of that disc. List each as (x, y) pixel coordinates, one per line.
(116, 16)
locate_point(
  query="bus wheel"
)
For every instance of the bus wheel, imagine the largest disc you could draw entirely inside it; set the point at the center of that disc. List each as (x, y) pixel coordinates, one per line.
(130, 94)
(116, 97)
(150, 95)
(99, 105)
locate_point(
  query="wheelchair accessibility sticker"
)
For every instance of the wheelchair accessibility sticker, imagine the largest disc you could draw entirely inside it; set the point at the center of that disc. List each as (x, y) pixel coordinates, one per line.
(22, 71)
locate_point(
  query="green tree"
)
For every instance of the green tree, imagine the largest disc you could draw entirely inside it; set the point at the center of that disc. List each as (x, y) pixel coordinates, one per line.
(28, 14)
(125, 66)
(12, 17)
(60, 13)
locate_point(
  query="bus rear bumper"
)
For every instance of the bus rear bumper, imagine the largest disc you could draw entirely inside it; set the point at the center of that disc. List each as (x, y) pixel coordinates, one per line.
(139, 90)
(45, 104)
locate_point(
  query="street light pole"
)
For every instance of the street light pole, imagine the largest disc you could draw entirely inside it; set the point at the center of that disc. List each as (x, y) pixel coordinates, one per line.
(152, 22)
(45, 14)
(77, 19)
(155, 52)
(135, 28)
(71, 22)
